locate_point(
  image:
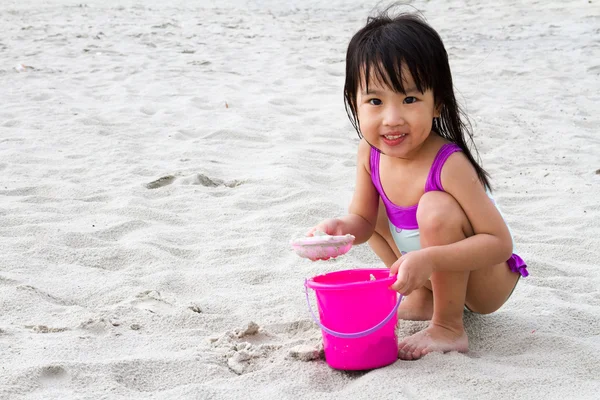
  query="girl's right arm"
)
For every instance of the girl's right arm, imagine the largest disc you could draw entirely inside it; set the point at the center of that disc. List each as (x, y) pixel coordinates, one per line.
(362, 213)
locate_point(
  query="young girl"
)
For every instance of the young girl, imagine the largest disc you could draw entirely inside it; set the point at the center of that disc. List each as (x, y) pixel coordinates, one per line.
(421, 199)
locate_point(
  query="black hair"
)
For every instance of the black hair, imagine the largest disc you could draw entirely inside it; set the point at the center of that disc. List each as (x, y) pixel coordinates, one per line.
(387, 44)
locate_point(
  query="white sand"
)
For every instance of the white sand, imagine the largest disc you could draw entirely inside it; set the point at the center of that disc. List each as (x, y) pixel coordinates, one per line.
(109, 289)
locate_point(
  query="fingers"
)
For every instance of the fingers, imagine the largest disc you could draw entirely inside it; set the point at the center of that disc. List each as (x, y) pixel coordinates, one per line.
(395, 266)
(406, 292)
(403, 284)
(322, 227)
(318, 228)
(328, 226)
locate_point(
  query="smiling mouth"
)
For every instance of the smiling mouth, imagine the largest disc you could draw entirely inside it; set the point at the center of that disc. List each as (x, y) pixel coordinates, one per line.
(394, 137)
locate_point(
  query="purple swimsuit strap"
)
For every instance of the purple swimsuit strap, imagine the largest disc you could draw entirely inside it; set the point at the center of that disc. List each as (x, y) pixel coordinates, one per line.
(434, 180)
(401, 217)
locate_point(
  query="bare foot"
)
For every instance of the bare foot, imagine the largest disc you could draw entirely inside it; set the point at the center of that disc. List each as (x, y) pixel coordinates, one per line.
(418, 306)
(435, 338)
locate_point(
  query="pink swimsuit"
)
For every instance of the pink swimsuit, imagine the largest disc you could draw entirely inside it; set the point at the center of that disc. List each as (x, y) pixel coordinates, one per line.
(403, 220)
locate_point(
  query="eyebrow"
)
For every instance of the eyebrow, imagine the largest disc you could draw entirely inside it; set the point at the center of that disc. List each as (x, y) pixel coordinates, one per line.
(411, 89)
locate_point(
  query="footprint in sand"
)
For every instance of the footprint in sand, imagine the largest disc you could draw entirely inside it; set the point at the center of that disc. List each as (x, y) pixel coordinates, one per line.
(52, 373)
(97, 326)
(45, 329)
(160, 182)
(201, 179)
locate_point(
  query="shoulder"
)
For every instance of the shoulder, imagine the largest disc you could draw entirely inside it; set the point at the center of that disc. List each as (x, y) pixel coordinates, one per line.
(364, 154)
(458, 172)
(364, 148)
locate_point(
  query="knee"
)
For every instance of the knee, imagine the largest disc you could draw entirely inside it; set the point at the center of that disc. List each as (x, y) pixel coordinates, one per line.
(438, 212)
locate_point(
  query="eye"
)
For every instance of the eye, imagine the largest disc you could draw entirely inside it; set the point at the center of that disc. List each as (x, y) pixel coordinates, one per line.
(410, 100)
(374, 102)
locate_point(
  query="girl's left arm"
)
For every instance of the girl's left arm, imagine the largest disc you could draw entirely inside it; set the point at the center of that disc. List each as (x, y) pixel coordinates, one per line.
(491, 243)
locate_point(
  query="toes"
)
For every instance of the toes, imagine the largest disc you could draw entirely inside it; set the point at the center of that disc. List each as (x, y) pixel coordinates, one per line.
(416, 346)
(425, 342)
(402, 350)
(418, 353)
(402, 346)
(412, 349)
(409, 351)
(405, 356)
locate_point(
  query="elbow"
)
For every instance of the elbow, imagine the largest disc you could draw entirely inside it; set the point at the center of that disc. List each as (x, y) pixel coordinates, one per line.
(363, 237)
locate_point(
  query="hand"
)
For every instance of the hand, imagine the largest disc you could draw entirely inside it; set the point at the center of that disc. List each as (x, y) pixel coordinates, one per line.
(332, 227)
(413, 269)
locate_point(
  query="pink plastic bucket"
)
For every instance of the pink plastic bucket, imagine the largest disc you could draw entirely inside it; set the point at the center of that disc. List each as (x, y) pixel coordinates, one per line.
(357, 317)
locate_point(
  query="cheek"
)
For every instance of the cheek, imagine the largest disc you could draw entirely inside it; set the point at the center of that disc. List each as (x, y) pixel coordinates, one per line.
(366, 123)
(363, 118)
(425, 115)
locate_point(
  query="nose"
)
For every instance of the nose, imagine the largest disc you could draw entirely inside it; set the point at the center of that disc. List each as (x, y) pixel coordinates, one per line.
(393, 116)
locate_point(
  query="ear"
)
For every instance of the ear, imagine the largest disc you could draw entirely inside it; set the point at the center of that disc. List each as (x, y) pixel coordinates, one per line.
(438, 110)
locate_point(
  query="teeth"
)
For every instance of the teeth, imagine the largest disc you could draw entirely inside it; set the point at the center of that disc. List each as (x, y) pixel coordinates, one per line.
(394, 137)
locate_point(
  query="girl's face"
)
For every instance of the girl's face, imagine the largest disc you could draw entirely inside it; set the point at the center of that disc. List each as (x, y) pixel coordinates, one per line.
(395, 123)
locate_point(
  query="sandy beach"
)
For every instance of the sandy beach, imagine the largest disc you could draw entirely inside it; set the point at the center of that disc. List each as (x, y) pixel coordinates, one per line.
(156, 158)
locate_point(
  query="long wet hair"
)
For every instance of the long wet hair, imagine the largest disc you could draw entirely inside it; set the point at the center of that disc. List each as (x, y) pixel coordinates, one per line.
(386, 45)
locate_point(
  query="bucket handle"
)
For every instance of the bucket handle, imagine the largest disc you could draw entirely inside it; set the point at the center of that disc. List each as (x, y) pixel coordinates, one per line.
(351, 335)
